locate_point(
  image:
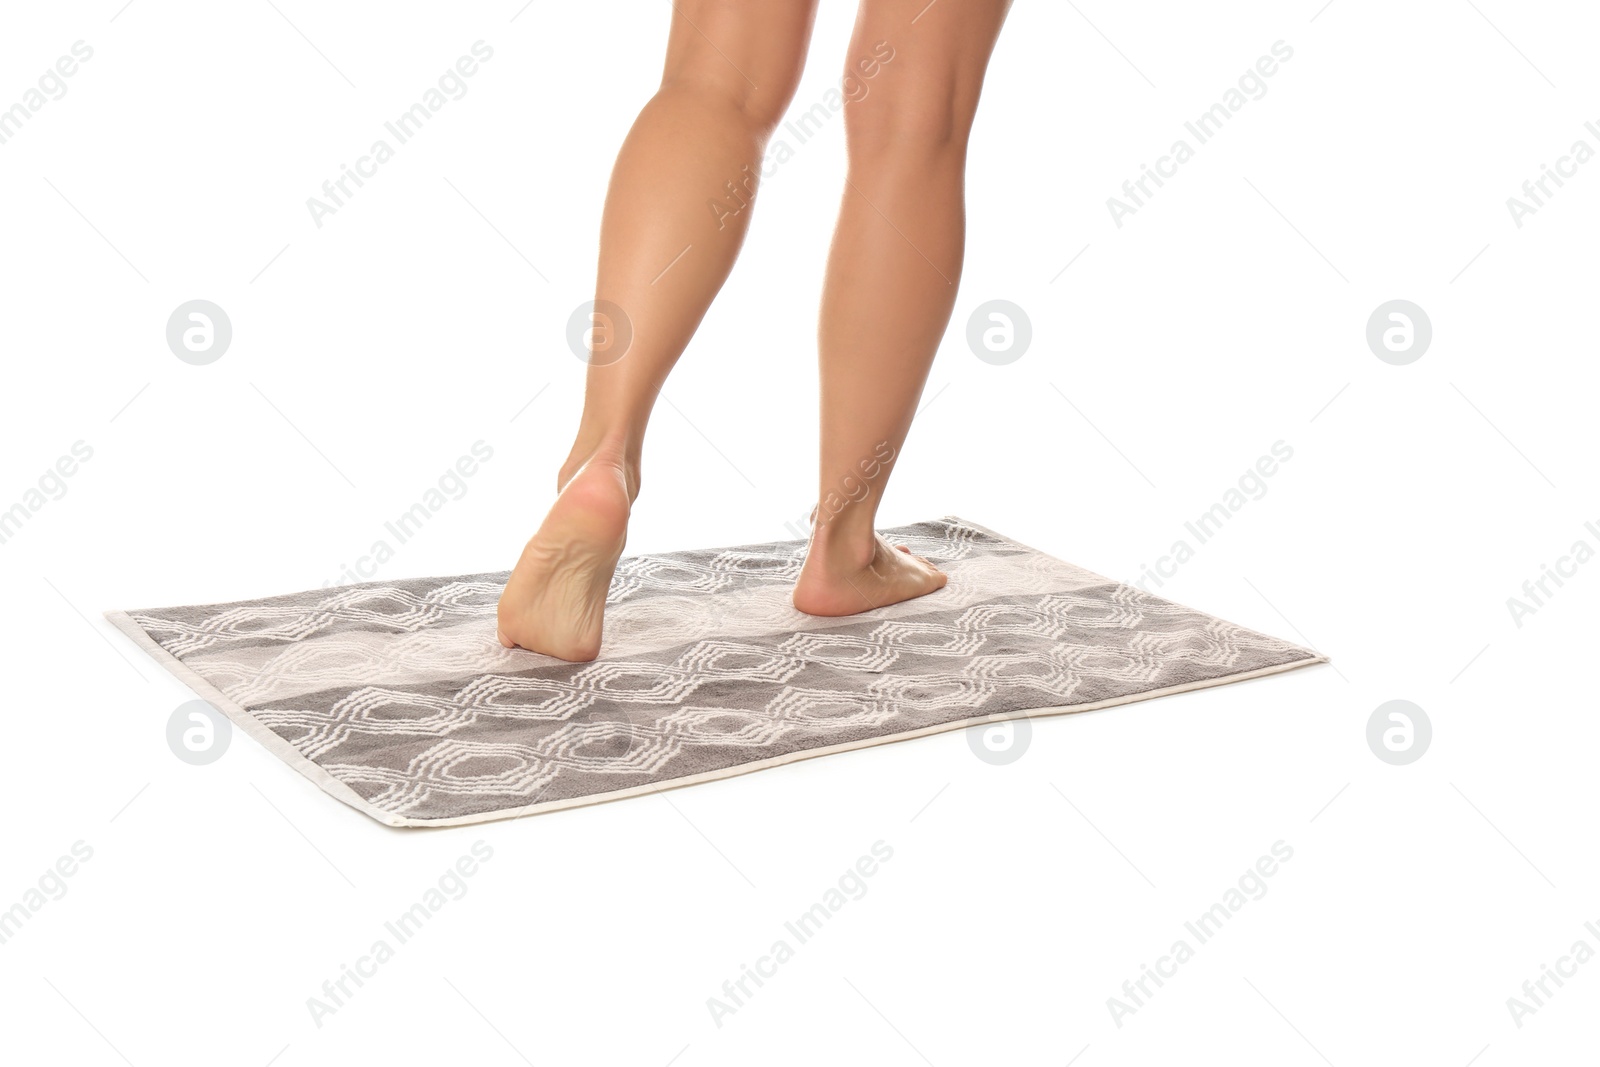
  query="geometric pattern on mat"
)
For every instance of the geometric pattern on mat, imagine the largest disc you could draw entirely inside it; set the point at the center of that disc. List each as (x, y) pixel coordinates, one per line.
(396, 697)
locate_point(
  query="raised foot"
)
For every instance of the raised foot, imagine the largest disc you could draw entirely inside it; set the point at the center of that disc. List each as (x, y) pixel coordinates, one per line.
(554, 602)
(834, 583)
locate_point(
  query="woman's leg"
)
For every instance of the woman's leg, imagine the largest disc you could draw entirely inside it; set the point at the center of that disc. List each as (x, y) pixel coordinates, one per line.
(732, 67)
(892, 276)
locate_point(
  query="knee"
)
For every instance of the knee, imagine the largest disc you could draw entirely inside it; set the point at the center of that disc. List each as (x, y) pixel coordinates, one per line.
(758, 109)
(918, 119)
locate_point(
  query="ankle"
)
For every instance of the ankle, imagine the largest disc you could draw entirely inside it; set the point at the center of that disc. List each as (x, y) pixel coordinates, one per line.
(611, 452)
(844, 542)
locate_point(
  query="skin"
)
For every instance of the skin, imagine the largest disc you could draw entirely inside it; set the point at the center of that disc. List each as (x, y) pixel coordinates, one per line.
(731, 71)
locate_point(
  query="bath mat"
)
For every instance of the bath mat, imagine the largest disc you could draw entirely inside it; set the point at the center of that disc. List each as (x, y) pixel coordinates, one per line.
(396, 698)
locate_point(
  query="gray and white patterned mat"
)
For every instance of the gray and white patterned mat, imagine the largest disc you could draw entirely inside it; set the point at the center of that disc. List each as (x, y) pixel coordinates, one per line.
(397, 698)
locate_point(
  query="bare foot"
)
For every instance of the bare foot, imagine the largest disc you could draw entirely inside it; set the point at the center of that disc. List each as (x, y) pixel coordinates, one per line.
(844, 578)
(555, 601)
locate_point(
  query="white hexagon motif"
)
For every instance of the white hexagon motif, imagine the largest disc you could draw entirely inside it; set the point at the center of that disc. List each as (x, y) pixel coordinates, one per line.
(650, 683)
(836, 649)
(928, 638)
(735, 659)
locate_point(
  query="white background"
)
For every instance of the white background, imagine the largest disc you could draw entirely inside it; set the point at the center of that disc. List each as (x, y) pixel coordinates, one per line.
(1228, 314)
